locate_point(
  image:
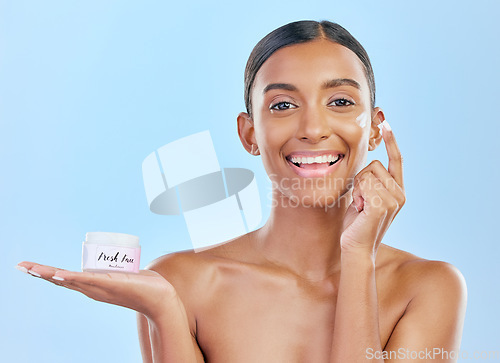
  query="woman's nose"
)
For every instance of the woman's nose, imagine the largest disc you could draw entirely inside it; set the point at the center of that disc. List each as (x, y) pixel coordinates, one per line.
(313, 127)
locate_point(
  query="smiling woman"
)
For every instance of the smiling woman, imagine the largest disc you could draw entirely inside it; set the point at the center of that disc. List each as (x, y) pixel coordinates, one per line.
(315, 283)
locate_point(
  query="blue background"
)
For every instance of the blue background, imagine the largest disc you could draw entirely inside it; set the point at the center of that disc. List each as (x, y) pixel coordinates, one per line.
(88, 89)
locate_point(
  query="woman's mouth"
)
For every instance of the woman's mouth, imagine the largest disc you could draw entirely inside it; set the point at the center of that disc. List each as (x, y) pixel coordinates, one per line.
(314, 165)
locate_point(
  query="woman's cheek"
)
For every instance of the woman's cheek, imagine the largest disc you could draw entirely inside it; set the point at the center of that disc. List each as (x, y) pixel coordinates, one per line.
(360, 154)
(273, 133)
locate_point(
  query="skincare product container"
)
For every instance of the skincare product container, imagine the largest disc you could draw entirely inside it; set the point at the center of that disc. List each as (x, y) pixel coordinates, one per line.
(111, 252)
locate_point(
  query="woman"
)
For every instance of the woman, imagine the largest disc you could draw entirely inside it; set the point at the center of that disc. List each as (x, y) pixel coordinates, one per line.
(315, 283)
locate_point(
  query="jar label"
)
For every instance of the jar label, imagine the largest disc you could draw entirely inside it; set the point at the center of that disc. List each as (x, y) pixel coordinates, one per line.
(111, 258)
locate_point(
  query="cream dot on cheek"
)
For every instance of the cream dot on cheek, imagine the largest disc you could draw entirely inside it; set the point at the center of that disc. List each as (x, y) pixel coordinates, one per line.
(362, 119)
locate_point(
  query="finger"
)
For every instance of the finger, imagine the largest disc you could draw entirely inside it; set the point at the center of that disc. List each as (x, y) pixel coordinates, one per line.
(86, 283)
(395, 167)
(46, 273)
(377, 168)
(387, 180)
(51, 274)
(26, 266)
(361, 189)
(37, 270)
(371, 194)
(380, 204)
(358, 195)
(106, 281)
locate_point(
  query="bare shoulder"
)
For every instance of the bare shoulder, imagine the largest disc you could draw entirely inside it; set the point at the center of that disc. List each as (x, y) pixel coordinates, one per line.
(433, 298)
(423, 276)
(182, 269)
(195, 270)
(193, 275)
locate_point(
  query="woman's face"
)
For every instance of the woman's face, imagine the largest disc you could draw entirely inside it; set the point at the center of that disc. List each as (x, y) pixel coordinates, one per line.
(312, 120)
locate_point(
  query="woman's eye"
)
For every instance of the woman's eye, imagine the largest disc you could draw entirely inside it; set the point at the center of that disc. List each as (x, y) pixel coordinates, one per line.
(341, 102)
(280, 106)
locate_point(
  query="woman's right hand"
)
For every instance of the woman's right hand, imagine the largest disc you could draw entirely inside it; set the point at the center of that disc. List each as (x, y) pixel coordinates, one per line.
(146, 292)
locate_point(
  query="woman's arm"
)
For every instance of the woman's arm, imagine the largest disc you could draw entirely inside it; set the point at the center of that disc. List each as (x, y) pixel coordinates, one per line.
(429, 330)
(163, 341)
(146, 292)
(378, 195)
(431, 327)
(434, 317)
(144, 341)
(356, 325)
(167, 337)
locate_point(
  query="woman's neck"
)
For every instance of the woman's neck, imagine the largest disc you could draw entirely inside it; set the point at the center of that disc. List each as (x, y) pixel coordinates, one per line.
(302, 239)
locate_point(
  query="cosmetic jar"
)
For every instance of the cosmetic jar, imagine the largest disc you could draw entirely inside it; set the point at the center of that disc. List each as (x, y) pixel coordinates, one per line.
(111, 252)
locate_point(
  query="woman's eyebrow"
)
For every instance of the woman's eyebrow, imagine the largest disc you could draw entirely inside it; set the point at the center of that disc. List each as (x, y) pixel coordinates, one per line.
(341, 82)
(285, 86)
(332, 83)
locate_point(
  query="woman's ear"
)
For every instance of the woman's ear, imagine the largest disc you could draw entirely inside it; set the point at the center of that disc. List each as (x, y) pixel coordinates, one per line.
(375, 135)
(246, 132)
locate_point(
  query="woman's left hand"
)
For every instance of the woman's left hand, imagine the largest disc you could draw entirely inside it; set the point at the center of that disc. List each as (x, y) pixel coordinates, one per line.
(378, 196)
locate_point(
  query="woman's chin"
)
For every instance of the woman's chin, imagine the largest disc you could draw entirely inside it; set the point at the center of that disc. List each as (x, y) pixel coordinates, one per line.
(323, 199)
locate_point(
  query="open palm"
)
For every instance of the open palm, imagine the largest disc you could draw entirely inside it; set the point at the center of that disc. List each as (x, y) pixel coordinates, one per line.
(146, 292)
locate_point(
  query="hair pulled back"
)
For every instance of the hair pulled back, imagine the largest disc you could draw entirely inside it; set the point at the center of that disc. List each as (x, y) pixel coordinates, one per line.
(302, 32)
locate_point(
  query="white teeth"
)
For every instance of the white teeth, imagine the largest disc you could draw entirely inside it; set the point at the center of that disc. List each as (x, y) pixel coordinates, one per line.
(312, 159)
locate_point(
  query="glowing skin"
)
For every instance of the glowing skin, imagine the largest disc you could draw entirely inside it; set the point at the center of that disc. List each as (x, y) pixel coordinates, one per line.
(311, 104)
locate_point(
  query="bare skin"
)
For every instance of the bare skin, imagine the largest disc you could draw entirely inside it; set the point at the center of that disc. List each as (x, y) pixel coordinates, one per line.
(274, 294)
(315, 284)
(243, 308)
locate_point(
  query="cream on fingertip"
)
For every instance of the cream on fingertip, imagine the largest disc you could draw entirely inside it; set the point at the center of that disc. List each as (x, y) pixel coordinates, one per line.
(386, 125)
(57, 278)
(380, 127)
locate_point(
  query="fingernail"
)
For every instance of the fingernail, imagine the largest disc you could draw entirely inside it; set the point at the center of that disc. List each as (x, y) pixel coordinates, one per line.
(22, 269)
(386, 125)
(57, 278)
(34, 273)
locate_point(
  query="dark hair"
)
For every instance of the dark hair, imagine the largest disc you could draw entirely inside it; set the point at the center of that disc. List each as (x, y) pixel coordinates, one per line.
(302, 32)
